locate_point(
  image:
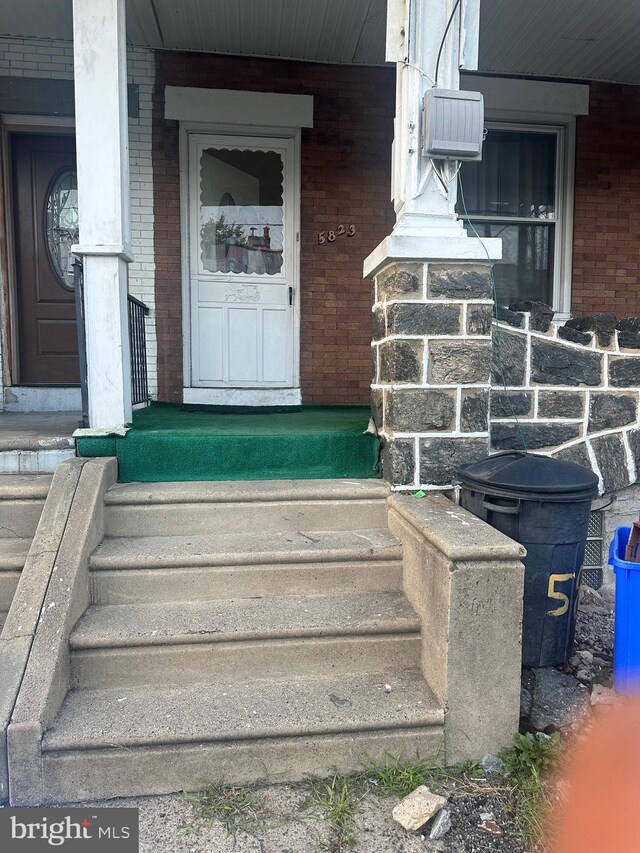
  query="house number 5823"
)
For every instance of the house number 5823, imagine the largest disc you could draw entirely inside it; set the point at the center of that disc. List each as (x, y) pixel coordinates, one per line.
(341, 230)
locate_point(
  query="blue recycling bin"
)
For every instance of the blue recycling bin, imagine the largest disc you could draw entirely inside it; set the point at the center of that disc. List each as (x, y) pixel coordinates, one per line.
(626, 641)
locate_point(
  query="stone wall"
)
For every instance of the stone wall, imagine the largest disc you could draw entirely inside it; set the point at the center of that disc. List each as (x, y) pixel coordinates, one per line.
(570, 391)
(431, 369)
(452, 384)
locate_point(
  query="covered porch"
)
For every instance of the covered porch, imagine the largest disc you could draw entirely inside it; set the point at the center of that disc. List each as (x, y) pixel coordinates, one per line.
(314, 106)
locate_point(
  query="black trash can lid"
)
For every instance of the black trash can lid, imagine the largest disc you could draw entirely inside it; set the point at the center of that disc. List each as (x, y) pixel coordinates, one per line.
(530, 476)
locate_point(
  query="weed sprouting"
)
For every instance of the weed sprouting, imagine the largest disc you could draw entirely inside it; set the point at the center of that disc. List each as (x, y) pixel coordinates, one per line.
(336, 801)
(529, 762)
(238, 808)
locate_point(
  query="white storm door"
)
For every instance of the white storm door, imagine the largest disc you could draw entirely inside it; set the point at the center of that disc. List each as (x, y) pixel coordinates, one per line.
(242, 266)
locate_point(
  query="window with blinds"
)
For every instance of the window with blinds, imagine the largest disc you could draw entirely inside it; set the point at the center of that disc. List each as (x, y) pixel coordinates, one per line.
(512, 193)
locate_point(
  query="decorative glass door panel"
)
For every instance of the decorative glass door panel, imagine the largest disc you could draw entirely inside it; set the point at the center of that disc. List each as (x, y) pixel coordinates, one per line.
(241, 262)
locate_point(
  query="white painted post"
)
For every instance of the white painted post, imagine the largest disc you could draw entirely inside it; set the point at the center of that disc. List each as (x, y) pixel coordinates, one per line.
(415, 32)
(102, 152)
(428, 268)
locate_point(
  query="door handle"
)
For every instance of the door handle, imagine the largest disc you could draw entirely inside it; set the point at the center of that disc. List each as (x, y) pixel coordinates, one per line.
(291, 296)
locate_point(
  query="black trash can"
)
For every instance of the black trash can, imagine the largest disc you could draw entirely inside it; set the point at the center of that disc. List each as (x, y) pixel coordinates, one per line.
(544, 504)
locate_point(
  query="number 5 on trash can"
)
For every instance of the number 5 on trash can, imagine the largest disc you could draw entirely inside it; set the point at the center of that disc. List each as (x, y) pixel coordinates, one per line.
(560, 596)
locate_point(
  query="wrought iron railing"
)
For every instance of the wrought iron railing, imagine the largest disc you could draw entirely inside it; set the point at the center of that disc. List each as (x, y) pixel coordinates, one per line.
(136, 311)
(138, 348)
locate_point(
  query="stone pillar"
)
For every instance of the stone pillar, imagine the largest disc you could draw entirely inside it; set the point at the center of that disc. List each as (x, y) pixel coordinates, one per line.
(431, 368)
(433, 305)
(102, 152)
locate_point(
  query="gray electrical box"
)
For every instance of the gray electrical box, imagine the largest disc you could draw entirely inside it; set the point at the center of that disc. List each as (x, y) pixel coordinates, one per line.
(453, 124)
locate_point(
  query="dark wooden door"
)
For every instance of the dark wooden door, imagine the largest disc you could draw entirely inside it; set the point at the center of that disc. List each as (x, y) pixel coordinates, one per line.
(45, 215)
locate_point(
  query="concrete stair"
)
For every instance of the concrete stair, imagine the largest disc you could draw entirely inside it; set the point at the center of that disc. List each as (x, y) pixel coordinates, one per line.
(238, 629)
(22, 498)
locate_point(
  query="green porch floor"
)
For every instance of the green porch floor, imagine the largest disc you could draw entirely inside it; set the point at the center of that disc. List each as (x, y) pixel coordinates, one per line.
(174, 443)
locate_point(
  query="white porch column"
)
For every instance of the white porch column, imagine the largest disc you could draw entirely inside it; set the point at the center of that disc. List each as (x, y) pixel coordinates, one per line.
(415, 38)
(102, 151)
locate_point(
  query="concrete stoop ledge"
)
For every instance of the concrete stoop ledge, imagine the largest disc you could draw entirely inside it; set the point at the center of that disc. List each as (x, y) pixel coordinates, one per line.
(219, 631)
(34, 510)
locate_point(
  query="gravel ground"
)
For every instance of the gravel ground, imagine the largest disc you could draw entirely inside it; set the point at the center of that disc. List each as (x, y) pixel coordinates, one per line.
(171, 824)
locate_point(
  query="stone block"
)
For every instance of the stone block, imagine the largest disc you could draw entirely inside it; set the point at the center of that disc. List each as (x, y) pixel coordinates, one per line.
(513, 318)
(459, 281)
(420, 410)
(377, 407)
(555, 364)
(474, 416)
(509, 358)
(629, 340)
(576, 453)
(507, 436)
(602, 324)
(459, 362)
(624, 372)
(634, 444)
(378, 324)
(398, 461)
(608, 410)
(441, 457)
(406, 318)
(561, 404)
(541, 314)
(508, 404)
(400, 281)
(629, 324)
(401, 361)
(479, 319)
(612, 461)
(566, 333)
(629, 333)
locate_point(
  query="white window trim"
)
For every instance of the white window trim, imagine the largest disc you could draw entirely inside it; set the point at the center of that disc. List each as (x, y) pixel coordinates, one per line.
(564, 197)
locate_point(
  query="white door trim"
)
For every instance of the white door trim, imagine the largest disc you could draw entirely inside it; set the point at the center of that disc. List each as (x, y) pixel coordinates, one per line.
(215, 132)
(242, 396)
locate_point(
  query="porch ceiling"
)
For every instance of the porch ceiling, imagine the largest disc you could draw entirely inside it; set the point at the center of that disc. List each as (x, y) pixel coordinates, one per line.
(579, 39)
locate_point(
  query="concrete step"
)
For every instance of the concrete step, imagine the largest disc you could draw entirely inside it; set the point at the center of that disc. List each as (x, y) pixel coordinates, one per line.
(245, 549)
(226, 507)
(126, 586)
(115, 742)
(26, 487)
(13, 553)
(182, 642)
(22, 498)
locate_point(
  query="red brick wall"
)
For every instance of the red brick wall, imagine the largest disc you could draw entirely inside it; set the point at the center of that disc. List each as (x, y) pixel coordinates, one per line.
(606, 246)
(346, 165)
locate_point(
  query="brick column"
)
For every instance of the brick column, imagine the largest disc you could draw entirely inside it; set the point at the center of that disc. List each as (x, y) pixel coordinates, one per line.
(431, 368)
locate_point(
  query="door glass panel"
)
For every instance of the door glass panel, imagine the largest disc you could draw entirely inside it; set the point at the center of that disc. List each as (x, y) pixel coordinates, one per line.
(241, 211)
(62, 224)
